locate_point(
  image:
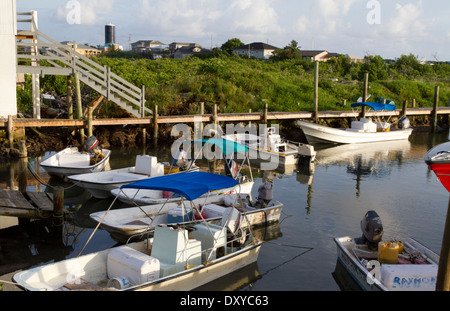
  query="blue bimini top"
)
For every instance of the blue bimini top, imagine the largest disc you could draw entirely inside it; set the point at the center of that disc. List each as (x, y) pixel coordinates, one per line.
(375, 106)
(190, 185)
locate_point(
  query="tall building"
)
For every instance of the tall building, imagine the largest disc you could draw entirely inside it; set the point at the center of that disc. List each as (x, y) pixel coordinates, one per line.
(110, 34)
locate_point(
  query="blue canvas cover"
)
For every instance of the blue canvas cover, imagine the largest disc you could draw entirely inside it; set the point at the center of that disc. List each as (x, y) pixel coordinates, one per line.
(190, 185)
(375, 106)
(227, 146)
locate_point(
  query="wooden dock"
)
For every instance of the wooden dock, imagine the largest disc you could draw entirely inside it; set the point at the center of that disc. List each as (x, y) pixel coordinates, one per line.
(210, 118)
(32, 205)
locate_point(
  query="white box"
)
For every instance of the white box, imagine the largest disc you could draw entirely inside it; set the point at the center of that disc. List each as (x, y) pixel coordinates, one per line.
(137, 267)
(157, 170)
(413, 277)
(144, 164)
(213, 210)
(74, 159)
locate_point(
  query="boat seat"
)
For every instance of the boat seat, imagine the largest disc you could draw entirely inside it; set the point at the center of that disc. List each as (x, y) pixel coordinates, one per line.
(173, 248)
(218, 238)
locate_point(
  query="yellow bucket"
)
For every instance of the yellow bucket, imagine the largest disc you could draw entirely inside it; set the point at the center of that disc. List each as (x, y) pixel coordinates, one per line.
(388, 252)
(174, 170)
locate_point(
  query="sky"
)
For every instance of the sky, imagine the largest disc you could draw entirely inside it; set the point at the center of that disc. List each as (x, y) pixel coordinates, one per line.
(389, 28)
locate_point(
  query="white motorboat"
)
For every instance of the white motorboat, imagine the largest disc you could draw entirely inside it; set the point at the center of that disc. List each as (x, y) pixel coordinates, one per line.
(72, 161)
(272, 148)
(176, 258)
(362, 131)
(126, 222)
(149, 196)
(397, 265)
(100, 184)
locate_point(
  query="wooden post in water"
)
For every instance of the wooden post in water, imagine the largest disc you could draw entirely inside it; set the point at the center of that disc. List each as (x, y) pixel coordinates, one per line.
(215, 117)
(316, 91)
(443, 276)
(58, 211)
(90, 129)
(365, 91)
(69, 97)
(266, 108)
(11, 131)
(405, 107)
(79, 108)
(435, 107)
(155, 122)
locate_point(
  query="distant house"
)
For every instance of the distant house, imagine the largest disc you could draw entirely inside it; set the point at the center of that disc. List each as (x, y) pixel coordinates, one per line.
(315, 55)
(355, 59)
(142, 46)
(257, 49)
(187, 51)
(83, 49)
(174, 46)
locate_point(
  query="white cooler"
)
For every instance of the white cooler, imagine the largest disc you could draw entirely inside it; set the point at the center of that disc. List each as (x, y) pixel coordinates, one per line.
(138, 268)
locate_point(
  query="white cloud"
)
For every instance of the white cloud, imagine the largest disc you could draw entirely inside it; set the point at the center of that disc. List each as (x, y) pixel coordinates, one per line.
(200, 18)
(406, 21)
(90, 12)
(324, 17)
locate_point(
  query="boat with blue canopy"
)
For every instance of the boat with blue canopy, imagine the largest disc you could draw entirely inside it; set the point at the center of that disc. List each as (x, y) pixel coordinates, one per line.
(199, 199)
(178, 256)
(231, 152)
(361, 131)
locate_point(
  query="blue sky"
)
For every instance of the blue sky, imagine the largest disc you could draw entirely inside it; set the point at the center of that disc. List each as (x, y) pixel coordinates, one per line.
(388, 28)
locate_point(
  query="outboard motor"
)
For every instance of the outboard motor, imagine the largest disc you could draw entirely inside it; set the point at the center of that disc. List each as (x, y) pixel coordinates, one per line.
(90, 144)
(372, 229)
(180, 159)
(403, 123)
(265, 194)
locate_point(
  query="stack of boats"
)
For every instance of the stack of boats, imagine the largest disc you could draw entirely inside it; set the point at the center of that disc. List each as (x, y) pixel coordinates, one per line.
(203, 235)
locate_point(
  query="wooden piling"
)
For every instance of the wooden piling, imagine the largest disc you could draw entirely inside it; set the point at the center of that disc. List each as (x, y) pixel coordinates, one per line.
(215, 117)
(405, 107)
(58, 206)
(266, 109)
(90, 129)
(443, 276)
(69, 97)
(365, 91)
(155, 122)
(11, 131)
(435, 108)
(79, 108)
(316, 92)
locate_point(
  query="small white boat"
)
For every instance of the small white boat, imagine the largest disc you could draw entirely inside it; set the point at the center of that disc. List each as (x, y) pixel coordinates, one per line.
(100, 184)
(272, 148)
(400, 265)
(126, 222)
(227, 148)
(176, 258)
(72, 161)
(362, 131)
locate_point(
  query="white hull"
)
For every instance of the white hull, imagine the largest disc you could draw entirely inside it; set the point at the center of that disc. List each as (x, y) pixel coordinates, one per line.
(100, 184)
(146, 197)
(318, 133)
(346, 250)
(92, 272)
(53, 166)
(126, 222)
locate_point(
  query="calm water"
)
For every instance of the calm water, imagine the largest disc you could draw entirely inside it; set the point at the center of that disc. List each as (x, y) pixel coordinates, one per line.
(321, 201)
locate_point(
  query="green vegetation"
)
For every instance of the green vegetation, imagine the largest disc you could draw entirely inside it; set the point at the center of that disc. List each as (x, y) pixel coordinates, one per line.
(285, 82)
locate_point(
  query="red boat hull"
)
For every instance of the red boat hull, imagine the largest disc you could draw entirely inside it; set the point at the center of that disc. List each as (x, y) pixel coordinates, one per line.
(442, 171)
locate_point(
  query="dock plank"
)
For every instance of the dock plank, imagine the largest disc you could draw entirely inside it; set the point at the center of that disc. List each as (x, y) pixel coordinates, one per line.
(41, 200)
(14, 199)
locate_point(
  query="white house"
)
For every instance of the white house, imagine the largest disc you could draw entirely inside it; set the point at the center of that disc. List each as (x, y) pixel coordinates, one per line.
(187, 51)
(257, 49)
